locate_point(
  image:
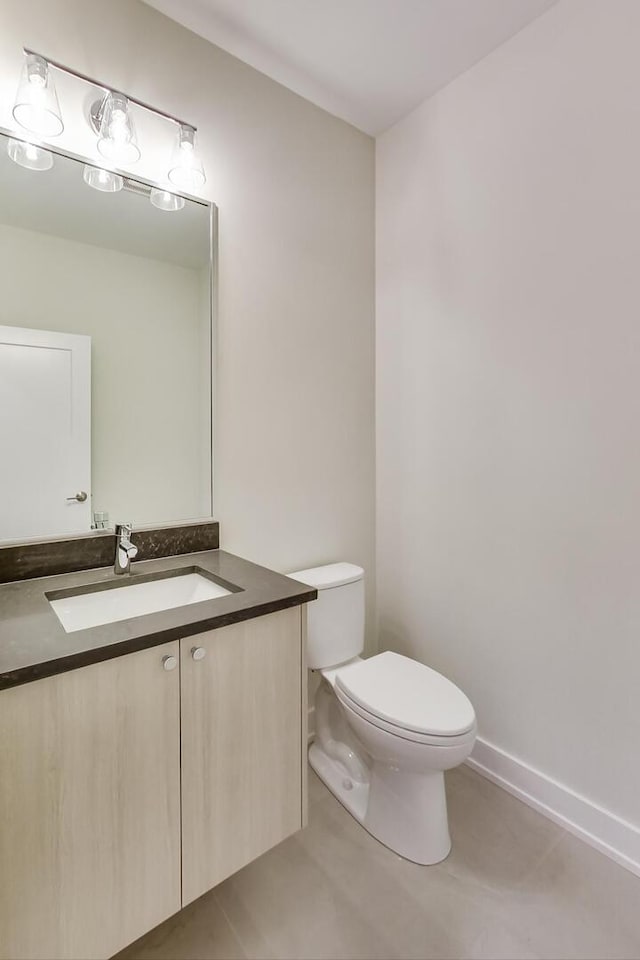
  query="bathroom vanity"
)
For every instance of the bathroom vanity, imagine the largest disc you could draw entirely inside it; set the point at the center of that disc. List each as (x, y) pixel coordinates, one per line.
(152, 727)
(143, 761)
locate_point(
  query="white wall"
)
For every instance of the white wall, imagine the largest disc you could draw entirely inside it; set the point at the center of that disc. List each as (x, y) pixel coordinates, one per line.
(294, 452)
(508, 394)
(147, 378)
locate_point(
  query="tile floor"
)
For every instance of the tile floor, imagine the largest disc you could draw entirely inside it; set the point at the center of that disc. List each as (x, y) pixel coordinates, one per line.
(515, 886)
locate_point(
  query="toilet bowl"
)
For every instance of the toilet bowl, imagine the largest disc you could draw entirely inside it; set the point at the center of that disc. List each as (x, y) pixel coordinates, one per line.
(386, 727)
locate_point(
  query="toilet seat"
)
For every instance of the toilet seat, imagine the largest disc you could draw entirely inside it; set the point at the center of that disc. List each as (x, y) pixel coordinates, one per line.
(399, 733)
(406, 698)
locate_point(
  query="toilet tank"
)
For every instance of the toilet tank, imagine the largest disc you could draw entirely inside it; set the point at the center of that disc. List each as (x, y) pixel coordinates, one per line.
(335, 621)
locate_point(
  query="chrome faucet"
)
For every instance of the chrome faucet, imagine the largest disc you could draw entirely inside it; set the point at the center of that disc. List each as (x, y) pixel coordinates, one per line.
(125, 550)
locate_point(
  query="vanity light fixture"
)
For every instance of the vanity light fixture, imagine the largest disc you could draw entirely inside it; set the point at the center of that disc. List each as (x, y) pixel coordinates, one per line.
(36, 107)
(164, 200)
(29, 156)
(103, 180)
(186, 170)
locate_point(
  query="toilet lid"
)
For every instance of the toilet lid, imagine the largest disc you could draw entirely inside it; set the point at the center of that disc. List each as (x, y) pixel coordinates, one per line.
(407, 694)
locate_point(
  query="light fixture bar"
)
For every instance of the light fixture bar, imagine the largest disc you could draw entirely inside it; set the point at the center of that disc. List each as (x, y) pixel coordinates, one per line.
(108, 88)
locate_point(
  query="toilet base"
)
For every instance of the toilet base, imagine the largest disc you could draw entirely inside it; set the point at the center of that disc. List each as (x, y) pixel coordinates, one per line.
(406, 812)
(352, 795)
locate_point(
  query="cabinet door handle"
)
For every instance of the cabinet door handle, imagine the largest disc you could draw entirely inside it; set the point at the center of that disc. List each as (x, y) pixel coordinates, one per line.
(169, 663)
(198, 653)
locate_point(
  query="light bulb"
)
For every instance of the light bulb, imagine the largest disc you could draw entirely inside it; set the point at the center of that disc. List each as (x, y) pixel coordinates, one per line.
(36, 107)
(117, 139)
(103, 180)
(118, 128)
(186, 170)
(29, 156)
(164, 200)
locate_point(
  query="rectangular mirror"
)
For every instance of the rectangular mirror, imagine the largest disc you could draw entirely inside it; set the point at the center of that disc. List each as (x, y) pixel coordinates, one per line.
(105, 353)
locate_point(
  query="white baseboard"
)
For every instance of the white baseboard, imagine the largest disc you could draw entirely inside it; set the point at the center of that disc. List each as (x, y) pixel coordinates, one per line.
(608, 833)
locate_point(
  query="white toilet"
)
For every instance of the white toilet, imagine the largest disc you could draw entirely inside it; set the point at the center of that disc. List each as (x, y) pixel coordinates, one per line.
(386, 727)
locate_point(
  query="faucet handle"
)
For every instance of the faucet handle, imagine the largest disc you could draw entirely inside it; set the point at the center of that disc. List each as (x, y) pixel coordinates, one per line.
(123, 528)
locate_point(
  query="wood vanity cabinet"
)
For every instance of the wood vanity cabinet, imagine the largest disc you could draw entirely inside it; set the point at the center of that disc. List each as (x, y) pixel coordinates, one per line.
(242, 734)
(89, 807)
(105, 829)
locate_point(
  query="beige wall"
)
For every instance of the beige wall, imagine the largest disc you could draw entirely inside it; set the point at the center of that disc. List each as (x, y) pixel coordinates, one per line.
(509, 394)
(147, 378)
(294, 451)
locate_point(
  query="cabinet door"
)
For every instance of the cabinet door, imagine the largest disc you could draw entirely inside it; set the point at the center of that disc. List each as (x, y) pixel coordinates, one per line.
(89, 807)
(241, 746)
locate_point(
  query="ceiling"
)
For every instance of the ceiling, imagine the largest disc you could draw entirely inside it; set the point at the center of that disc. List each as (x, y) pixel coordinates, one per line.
(369, 62)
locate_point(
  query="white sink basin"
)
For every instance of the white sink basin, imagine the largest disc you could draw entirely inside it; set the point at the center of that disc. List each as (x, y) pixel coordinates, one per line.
(134, 600)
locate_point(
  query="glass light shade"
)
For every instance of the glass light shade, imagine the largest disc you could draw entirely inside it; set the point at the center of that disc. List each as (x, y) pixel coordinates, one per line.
(29, 156)
(117, 140)
(36, 107)
(186, 170)
(103, 180)
(164, 200)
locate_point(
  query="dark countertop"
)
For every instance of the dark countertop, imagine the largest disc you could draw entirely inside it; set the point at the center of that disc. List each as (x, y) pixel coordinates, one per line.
(34, 644)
